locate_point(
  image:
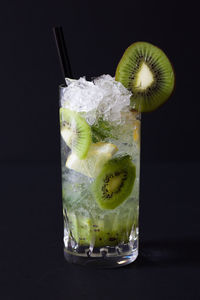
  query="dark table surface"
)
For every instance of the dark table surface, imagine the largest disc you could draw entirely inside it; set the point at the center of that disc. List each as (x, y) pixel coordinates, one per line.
(31, 261)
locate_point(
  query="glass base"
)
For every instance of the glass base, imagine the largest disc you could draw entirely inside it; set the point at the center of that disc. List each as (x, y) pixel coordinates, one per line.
(106, 257)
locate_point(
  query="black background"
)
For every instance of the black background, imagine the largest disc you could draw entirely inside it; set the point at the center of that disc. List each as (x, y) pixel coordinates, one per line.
(97, 33)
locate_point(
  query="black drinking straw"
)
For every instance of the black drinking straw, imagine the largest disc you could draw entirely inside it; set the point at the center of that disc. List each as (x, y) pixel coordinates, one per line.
(62, 52)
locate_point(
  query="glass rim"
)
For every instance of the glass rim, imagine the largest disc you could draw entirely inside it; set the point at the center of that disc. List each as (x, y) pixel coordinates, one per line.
(62, 86)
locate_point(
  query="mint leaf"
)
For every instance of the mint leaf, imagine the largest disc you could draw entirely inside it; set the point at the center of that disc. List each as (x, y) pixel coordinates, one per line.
(102, 130)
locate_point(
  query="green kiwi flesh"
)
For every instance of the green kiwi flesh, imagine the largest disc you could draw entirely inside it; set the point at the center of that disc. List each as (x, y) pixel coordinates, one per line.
(75, 132)
(114, 183)
(145, 70)
(102, 232)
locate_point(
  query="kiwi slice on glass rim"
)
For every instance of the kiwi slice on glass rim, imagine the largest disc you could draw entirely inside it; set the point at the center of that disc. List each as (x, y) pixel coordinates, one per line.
(115, 182)
(145, 70)
(75, 131)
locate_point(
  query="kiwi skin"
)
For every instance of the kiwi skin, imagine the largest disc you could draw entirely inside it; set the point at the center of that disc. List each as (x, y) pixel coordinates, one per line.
(118, 71)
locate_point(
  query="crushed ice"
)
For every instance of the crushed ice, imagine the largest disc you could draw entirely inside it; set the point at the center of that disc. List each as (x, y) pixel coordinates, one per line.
(101, 97)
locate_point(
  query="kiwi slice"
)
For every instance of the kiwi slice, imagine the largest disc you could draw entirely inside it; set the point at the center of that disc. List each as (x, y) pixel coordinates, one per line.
(115, 182)
(145, 70)
(75, 131)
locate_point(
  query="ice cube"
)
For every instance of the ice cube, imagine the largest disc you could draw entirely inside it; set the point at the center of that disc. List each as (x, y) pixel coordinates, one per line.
(103, 97)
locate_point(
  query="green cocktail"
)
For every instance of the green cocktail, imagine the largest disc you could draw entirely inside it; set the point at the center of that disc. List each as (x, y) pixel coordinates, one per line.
(100, 153)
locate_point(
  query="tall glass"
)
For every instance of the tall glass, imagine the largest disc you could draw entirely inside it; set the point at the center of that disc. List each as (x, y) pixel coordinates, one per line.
(97, 231)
